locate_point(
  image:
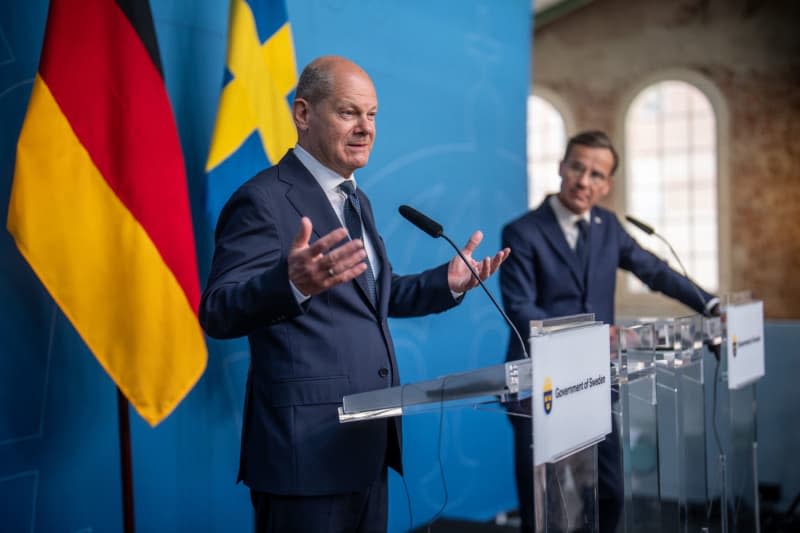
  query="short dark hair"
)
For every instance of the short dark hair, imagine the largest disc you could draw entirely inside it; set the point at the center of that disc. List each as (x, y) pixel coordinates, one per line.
(593, 139)
(316, 81)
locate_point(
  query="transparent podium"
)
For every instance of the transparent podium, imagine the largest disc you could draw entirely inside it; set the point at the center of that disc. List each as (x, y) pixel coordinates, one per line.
(687, 418)
(634, 381)
(567, 380)
(571, 411)
(659, 375)
(682, 445)
(734, 478)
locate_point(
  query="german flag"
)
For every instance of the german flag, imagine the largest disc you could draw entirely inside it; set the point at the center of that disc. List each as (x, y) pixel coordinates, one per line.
(99, 204)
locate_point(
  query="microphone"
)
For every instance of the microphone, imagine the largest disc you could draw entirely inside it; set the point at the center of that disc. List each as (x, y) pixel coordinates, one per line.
(429, 226)
(435, 230)
(650, 231)
(715, 349)
(645, 228)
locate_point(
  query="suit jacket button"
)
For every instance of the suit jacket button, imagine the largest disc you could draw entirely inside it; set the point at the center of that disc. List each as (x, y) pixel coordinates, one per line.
(383, 372)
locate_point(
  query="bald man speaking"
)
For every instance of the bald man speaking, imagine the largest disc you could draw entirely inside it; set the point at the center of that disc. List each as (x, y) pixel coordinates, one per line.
(300, 269)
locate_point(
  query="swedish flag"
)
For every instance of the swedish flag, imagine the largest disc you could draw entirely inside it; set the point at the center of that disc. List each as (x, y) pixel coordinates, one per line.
(254, 125)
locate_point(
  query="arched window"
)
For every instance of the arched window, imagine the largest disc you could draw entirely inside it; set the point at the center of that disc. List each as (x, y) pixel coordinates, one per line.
(546, 141)
(671, 177)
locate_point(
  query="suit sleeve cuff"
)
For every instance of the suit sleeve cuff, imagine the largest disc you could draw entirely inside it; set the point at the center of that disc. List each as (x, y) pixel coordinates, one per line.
(710, 305)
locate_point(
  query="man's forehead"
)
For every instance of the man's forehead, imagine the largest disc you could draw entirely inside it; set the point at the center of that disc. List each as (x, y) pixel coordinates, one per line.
(355, 101)
(593, 154)
(588, 151)
(359, 93)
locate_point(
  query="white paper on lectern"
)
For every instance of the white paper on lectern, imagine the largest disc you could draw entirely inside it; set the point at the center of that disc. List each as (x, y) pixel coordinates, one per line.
(745, 326)
(574, 365)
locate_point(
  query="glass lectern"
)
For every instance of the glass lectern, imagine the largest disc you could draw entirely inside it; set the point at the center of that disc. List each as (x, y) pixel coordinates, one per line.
(633, 375)
(567, 380)
(735, 444)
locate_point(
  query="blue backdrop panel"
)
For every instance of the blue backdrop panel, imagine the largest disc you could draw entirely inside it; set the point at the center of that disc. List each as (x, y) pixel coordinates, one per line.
(452, 79)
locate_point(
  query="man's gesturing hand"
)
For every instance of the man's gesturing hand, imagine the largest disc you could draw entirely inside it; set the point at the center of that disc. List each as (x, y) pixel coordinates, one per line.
(316, 268)
(458, 275)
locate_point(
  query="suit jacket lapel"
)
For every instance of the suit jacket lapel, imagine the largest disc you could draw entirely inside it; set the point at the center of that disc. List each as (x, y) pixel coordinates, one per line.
(382, 283)
(555, 236)
(308, 198)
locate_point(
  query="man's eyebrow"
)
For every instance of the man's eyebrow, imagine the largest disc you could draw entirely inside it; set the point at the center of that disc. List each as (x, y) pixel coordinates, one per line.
(348, 103)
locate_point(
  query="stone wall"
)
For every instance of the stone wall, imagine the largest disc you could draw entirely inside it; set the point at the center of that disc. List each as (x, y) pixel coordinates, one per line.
(598, 56)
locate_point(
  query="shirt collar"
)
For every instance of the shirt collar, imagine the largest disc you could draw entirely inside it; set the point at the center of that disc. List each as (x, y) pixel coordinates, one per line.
(566, 218)
(327, 178)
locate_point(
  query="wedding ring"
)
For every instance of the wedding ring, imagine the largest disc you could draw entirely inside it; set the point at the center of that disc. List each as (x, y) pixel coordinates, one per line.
(331, 273)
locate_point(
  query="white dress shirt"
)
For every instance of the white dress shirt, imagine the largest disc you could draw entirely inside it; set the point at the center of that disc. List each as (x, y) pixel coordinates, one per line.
(567, 219)
(330, 181)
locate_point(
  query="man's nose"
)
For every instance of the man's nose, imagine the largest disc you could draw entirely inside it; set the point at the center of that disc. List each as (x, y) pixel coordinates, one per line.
(584, 178)
(364, 124)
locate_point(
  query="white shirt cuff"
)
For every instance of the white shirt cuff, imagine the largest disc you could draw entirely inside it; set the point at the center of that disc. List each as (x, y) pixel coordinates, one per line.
(298, 296)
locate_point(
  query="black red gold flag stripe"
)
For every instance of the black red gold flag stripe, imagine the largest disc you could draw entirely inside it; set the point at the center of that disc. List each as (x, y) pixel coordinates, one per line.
(100, 206)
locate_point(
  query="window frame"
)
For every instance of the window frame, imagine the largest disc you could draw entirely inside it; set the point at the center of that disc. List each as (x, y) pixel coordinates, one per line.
(561, 106)
(631, 304)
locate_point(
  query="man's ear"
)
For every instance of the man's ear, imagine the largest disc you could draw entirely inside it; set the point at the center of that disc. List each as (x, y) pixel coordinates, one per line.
(606, 187)
(300, 111)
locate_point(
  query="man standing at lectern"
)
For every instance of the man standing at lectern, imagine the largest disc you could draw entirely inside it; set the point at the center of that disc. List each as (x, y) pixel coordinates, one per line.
(315, 311)
(566, 255)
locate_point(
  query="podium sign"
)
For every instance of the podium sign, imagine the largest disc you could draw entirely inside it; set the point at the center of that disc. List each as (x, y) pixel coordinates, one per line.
(745, 343)
(571, 397)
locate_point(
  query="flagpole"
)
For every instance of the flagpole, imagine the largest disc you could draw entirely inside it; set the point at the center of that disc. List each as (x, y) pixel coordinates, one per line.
(125, 462)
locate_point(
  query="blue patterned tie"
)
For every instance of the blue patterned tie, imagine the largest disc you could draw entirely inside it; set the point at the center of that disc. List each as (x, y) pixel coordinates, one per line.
(352, 219)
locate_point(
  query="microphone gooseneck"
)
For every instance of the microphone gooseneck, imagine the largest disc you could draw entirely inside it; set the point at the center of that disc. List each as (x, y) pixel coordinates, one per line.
(650, 231)
(435, 230)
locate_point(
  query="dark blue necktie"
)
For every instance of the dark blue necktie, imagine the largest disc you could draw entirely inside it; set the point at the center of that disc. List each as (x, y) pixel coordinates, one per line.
(581, 248)
(352, 219)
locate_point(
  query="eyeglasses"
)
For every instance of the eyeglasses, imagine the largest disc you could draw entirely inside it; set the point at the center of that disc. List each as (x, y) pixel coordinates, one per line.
(576, 170)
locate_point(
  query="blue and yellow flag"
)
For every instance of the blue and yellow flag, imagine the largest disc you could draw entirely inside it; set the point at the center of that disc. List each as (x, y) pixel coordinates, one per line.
(254, 125)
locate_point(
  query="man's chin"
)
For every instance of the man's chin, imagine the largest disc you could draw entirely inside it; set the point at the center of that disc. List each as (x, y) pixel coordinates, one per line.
(578, 207)
(360, 161)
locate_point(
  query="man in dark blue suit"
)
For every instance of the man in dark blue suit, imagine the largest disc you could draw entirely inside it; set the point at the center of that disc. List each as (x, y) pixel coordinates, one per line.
(315, 312)
(566, 255)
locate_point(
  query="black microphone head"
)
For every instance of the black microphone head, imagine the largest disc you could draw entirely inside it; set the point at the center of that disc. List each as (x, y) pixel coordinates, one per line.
(641, 225)
(429, 226)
